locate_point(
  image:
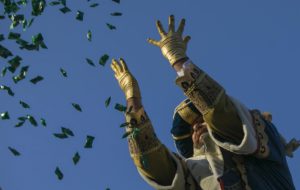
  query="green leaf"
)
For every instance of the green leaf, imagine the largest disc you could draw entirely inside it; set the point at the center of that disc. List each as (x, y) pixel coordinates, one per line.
(60, 135)
(36, 79)
(103, 59)
(126, 134)
(76, 158)
(110, 26)
(67, 131)
(24, 105)
(120, 107)
(107, 101)
(116, 14)
(65, 10)
(89, 35)
(59, 174)
(116, 1)
(4, 116)
(79, 15)
(94, 5)
(32, 120)
(77, 107)
(38, 7)
(89, 141)
(4, 52)
(53, 3)
(9, 91)
(43, 122)
(63, 72)
(124, 124)
(14, 36)
(90, 61)
(14, 151)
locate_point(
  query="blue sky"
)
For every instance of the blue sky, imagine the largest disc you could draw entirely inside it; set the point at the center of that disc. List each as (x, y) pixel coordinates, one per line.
(250, 47)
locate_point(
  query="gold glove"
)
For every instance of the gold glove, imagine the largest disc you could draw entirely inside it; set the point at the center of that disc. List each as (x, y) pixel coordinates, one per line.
(126, 80)
(172, 45)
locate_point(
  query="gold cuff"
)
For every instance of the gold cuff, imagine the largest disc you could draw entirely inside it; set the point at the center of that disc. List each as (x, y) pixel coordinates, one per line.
(200, 88)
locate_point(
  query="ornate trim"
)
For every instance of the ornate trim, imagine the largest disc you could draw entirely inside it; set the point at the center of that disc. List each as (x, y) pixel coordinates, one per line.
(263, 149)
(240, 165)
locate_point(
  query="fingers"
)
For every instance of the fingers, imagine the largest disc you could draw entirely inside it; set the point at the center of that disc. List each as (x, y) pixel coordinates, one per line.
(115, 67)
(186, 39)
(154, 42)
(171, 23)
(123, 64)
(160, 29)
(181, 26)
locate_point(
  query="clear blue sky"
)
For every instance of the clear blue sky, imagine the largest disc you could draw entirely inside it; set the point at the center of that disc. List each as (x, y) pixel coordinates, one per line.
(250, 47)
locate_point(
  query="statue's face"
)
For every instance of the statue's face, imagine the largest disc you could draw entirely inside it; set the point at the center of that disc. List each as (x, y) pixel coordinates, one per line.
(199, 128)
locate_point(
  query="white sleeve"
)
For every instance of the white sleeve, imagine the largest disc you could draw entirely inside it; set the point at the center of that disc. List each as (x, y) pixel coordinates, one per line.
(249, 142)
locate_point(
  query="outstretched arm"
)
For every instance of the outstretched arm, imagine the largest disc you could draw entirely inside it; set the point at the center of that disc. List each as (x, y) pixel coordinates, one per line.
(150, 156)
(206, 94)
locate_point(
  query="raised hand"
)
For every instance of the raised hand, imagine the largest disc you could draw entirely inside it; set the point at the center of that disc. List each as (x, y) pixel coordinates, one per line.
(172, 44)
(126, 80)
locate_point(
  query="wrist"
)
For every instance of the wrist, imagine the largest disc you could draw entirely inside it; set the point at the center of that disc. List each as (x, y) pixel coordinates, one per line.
(178, 65)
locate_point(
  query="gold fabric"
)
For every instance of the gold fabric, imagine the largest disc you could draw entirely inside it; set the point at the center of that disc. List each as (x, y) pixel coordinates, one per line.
(172, 45)
(186, 113)
(126, 80)
(149, 155)
(210, 99)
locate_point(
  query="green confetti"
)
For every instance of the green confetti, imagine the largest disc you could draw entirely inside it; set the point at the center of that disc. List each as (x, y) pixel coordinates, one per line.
(94, 5)
(43, 122)
(21, 75)
(38, 7)
(32, 120)
(67, 131)
(22, 2)
(53, 3)
(76, 158)
(116, 14)
(1, 37)
(107, 102)
(16, 20)
(89, 35)
(63, 72)
(14, 63)
(2, 17)
(24, 105)
(126, 134)
(36, 79)
(110, 26)
(21, 123)
(25, 45)
(124, 124)
(14, 151)
(14, 36)
(60, 135)
(4, 116)
(30, 22)
(116, 1)
(89, 61)
(22, 118)
(59, 174)
(103, 59)
(38, 41)
(65, 10)
(9, 91)
(79, 15)
(89, 141)
(120, 107)
(63, 2)
(77, 107)
(24, 24)
(3, 72)
(135, 132)
(4, 52)
(10, 7)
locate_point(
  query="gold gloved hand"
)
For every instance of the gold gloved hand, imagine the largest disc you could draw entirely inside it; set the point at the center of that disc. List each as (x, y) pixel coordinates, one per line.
(126, 80)
(172, 45)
